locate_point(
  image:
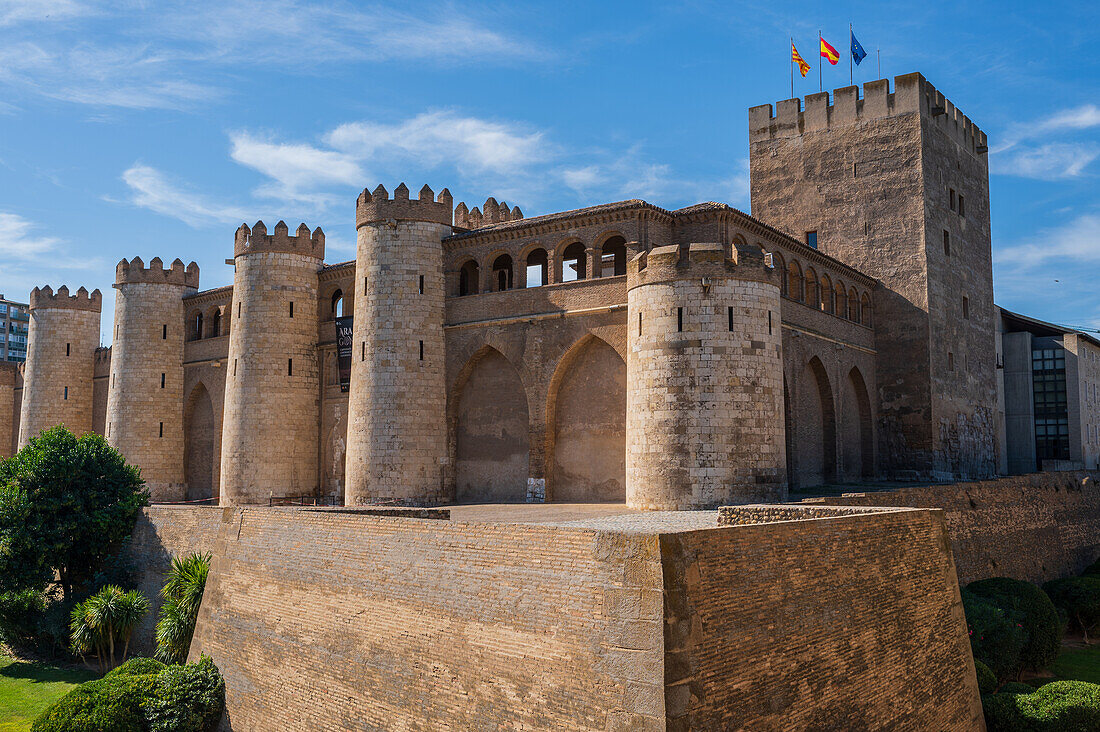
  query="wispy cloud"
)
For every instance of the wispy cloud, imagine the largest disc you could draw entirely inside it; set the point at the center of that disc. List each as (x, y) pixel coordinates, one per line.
(149, 188)
(1076, 242)
(1039, 149)
(31, 257)
(296, 170)
(13, 12)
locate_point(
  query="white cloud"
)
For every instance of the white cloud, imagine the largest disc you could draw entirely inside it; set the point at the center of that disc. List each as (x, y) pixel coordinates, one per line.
(296, 170)
(433, 138)
(1074, 243)
(151, 189)
(13, 12)
(32, 258)
(21, 243)
(1053, 161)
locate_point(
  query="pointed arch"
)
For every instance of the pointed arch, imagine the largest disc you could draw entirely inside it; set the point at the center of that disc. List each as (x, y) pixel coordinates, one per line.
(199, 428)
(865, 310)
(490, 424)
(827, 303)
(857, 444)
(814, 422)
(795, 281)
(586, 425)
(813, 296)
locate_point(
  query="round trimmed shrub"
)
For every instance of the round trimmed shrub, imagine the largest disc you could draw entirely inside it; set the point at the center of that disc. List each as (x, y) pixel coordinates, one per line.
(105, 705)
(1060, 706)
(996, 636)
(187, 698)
(1079, 599)
(987, 680)
(137, 667)
(1042, 626)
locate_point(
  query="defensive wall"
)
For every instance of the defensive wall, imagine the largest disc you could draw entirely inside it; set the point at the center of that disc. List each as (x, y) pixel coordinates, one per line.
(1033, 527)
(756, 616)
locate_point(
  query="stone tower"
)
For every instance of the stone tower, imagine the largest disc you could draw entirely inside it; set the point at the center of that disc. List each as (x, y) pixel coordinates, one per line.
(897, 186)
(270, 417)
(145, 393)
(704, 400)
(397, 430)
(61, 343)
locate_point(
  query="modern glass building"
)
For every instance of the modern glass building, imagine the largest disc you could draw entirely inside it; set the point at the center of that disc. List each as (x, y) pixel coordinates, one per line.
(14, 317)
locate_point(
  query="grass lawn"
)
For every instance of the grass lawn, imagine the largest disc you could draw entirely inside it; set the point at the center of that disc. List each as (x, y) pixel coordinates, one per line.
(1078, 662)
(26, 689)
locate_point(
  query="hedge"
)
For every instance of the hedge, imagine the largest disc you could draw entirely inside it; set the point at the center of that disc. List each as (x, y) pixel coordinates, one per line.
(1060, 706)
(996, 636)
(1043, 628)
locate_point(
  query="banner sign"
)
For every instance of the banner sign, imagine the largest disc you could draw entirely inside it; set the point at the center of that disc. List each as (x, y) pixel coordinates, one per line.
(343, 350)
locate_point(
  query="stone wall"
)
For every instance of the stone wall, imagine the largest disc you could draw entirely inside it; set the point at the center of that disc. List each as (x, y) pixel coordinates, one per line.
(841, 622)
(1033, 527)
(9, 372)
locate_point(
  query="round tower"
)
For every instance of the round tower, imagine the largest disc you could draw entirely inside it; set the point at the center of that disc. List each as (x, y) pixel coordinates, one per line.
(704, 400)
(145, 393)
(397, 426)
(61, 343)
(271, 413)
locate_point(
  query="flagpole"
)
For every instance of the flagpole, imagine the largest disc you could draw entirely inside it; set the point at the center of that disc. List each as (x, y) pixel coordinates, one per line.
(792, 67)
(851, 72)
(820, 87)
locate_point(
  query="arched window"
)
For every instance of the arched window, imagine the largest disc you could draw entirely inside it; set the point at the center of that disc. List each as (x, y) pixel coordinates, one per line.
(337, 308)
(794, 282)
(469, 278)
(780, 266)
(573, 263)
(216, 323)
(853, 305)
(841, 299)
(813, 299)
(613, 257)
(865, 309)
(536, 268)
(502, 272)
(827, 294)
(196, 330)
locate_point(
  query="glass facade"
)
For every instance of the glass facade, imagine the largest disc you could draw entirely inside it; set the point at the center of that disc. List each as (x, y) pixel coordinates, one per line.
(14, 323)
(1048, 373)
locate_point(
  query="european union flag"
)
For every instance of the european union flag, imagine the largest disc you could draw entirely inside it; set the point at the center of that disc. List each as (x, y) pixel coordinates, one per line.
(858, 54)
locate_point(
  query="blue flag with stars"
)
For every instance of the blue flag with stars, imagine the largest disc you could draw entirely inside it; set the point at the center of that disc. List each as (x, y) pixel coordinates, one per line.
(858, 54)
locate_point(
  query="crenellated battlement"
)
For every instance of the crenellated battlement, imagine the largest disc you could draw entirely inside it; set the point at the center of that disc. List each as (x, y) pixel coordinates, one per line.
(134, 270)
(378, 206)
(257, 239)
(45, 297)
(912, 94)
(490, 213)
(701, 259)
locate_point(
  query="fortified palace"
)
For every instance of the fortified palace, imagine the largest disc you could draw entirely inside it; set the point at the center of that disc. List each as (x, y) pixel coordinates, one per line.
(844, 332)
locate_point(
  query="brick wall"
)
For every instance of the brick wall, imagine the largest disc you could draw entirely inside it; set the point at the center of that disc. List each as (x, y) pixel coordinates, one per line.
(1033, 527)
(847, 622)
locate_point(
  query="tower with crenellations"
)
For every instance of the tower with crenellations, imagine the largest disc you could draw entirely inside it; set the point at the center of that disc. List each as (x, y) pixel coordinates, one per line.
(397, 429)
(704, 386)
(57, 382)
(269, 423)
(145, 392)
(896, 185)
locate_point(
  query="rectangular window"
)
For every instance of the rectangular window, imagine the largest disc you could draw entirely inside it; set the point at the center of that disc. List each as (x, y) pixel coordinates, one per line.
(966, 308)
(729, 316)
(364, 285)
(421, 350)
(951, 195)
(947, 242)
(962, 206)
(164, 332)
(162, 429)
(290, 367)
(769, 322)
(811, 239)
(363, 351)
(421, 284)
(639, 323)
(238, 310)
(162, 381)
(67, 345)
(950, 361)
(679, 319)
(292, 308)
(234, 367)
(66, 393)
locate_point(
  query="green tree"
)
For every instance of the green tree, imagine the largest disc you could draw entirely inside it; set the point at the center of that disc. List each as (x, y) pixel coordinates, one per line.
(1028, 605)
(108, 616)
(66, 504)
(182, 594)
(1079, 597)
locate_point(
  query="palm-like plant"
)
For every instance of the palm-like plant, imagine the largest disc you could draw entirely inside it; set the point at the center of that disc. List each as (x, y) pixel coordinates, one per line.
(182, 595)
(108, 616)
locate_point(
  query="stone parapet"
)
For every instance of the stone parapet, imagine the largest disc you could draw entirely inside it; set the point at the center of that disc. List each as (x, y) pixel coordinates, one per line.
(135, 270)
(376, 206)
(45, 297)
(256, 239)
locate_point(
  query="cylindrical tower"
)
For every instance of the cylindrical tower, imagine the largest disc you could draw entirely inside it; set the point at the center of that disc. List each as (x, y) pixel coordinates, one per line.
(704, 400)
(61, 343)
(145, 392)
(397, 423)
(270, 418)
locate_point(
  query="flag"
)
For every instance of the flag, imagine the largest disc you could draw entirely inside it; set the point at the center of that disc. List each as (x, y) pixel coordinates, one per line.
(828, 52)
(858, 54)
(803, 67)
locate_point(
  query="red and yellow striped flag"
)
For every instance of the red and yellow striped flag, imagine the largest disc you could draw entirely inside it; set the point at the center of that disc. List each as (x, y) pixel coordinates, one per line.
(828, 51)
(803, 67)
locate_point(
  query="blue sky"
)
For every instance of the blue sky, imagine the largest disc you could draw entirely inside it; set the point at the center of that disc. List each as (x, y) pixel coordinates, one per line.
(155, 129)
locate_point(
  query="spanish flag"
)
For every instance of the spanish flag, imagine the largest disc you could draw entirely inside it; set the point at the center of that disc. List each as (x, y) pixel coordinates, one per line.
(828, 51)
(803, 67)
